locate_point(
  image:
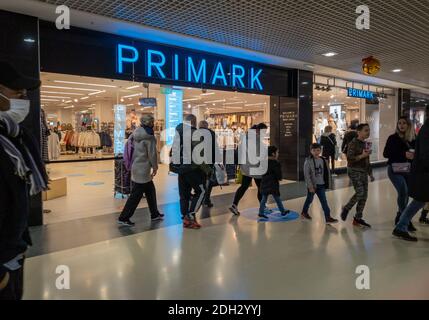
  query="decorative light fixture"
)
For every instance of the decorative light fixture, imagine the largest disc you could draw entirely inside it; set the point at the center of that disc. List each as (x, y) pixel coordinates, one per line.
(396, 70)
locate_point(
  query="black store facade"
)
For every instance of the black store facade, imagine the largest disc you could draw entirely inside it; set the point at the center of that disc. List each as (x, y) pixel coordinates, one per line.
(35, 46)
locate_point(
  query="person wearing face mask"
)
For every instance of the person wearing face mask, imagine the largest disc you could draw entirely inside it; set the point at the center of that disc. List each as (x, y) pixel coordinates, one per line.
(22, 174)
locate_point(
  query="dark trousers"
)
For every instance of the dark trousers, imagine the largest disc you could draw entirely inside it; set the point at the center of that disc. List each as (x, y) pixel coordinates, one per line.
(15, 286)
(188, 182)
(209, 188)
(245, 184)
(321, 194)
(138, 189)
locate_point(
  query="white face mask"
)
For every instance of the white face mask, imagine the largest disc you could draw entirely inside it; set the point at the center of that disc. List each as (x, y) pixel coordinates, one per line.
(19, 109)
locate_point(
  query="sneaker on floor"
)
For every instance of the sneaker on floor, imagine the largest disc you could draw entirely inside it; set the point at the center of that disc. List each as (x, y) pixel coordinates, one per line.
(344, 214)
(305, 215)
(360, 223)
(284, 213)
(331, 220)
(191, 224)
(126, 223)
(411, 227)
(263, 216)
(161, 214)
(403, 235)
(234, 210)
(424, 221)
(268, 211)
(156, 218)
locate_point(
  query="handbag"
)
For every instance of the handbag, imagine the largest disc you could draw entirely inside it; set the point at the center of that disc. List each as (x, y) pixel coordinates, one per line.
(220, 174)
(402, 167)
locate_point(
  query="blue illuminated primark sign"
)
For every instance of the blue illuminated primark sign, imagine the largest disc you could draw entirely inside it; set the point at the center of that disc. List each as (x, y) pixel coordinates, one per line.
(363, 94)
(186, 66)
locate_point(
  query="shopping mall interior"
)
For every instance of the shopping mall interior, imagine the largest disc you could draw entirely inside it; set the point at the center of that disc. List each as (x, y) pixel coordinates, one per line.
(80, 118)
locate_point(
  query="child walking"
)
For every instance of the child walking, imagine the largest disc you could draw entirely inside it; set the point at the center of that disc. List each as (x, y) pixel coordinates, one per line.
(270, 183)
(318, 179)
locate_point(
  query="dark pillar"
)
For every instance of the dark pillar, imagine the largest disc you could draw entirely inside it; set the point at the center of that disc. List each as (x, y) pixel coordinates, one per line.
(404, 102)
(291, 124)
(24, 55)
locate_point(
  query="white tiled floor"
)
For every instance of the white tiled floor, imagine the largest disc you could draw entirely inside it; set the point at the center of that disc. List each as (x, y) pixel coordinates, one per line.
(91, 200)
(232, 258)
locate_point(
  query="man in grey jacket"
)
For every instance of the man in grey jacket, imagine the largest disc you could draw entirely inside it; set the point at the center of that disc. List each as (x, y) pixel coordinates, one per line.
(143, 169)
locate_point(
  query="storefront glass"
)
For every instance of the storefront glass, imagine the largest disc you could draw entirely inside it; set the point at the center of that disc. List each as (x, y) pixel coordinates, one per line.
(85, 116)
(418, 105)
(335, 106)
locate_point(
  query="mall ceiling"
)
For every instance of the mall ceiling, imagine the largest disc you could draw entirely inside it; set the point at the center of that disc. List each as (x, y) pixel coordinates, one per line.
(298, 29)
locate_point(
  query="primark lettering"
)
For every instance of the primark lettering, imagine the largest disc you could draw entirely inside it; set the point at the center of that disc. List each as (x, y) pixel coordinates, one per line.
(357, 93)
(190, 68)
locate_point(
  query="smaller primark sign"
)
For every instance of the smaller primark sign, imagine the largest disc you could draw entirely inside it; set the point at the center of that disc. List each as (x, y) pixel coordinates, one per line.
(363, 94)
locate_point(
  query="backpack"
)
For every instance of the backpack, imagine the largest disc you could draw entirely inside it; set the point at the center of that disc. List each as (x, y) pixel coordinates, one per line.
(128, 153)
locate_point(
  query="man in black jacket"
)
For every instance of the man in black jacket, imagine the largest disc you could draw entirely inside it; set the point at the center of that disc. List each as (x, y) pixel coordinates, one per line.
(191, 176)
(21, 175)
(418, 182)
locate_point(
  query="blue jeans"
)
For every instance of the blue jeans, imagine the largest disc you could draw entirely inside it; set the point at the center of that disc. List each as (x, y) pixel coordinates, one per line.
(408, 214)
(264, 202)
(399, 181)
(321, 194)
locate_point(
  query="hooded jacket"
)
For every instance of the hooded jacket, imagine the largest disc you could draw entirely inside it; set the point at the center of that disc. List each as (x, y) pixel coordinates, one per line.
(145, 156)
(310, 173)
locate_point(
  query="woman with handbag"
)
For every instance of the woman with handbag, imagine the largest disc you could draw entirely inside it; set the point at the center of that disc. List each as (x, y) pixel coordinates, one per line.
(418, 182)
(329, 144)
(399, 151)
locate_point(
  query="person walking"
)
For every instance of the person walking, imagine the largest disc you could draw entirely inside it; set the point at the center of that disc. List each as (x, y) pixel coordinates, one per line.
(358, 169)
(246, 173)
(22, 174)
(328, 142)
(418, 183)
(318, 179)
(191, 177)
(210, 183)
(270, 183)
(399, 151)
(143, 169)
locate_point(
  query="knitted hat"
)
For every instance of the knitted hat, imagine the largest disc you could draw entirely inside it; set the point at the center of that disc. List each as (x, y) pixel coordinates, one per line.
(146, 119)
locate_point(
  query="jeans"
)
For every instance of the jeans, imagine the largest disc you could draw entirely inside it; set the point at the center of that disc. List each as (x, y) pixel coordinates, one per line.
(194, 180)
(360, 184)
(399, 181)
(133, 201)
(408, 214)
(264, 202)
(321, 194)
(245, 184)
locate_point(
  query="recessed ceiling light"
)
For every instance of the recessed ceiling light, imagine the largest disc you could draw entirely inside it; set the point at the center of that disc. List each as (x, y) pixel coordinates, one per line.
(309, 66)
(29, 40)
(87, 84)
(329, 54)
(396, 70)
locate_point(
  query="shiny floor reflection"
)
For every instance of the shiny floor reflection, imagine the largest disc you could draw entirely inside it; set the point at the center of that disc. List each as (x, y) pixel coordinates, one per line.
(236, 258)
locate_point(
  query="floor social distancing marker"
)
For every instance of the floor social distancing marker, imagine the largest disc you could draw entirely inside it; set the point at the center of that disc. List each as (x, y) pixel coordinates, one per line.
(274, 216)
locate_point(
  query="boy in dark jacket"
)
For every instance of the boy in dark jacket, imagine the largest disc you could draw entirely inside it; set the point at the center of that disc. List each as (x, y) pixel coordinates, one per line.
(270, 183)
(318, 179)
